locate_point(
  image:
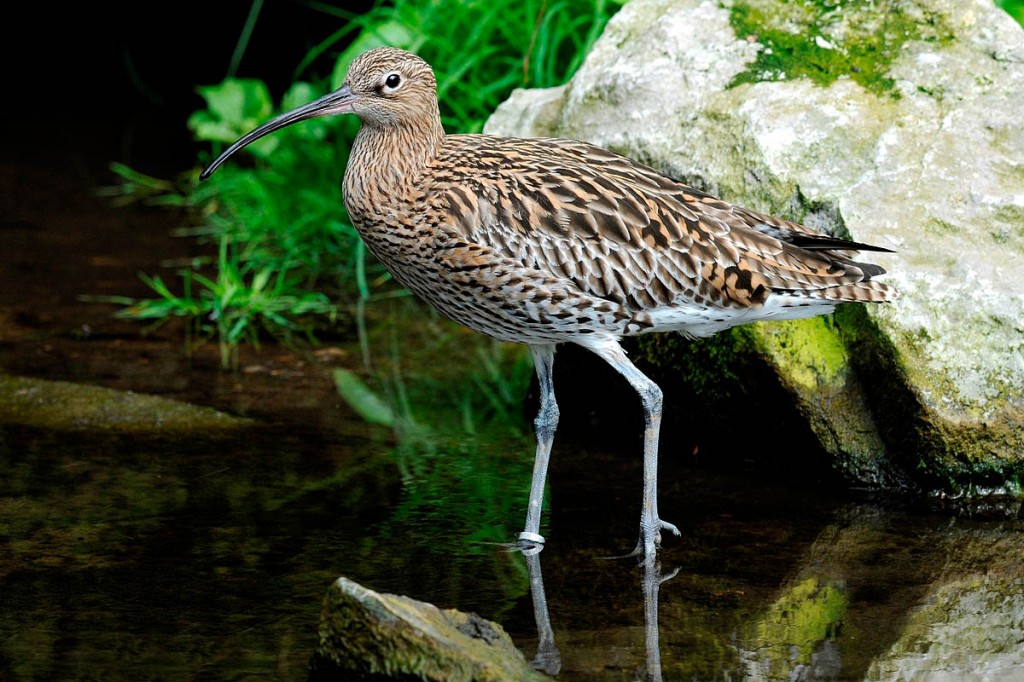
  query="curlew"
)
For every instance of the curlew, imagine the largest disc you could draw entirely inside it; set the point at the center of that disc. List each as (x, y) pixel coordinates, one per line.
(545, 241)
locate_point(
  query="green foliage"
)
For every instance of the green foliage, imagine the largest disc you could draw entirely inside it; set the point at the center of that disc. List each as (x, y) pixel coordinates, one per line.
(407, 387)
(457, 427)
(235, 306)
(363, 399)
(1015, 8)
(284, 213)
(281, 254)
(142, 188)
(482, 49)
(235, 107)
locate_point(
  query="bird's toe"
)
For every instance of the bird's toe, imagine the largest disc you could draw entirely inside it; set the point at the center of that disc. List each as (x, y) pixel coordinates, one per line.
(665, 525)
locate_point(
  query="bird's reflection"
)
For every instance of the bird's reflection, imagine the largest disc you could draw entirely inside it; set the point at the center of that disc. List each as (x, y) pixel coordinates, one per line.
(650, 584)
(548, 658)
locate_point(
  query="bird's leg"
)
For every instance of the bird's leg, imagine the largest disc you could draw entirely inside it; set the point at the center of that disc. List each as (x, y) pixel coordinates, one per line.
(651, 397)
(545, 425)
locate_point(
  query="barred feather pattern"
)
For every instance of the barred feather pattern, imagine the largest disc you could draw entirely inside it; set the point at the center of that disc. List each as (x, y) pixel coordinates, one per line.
(546, 240)
(543, 241)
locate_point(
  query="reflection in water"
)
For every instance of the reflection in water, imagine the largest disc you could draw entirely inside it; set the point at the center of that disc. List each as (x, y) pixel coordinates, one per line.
(876, 594)
(549, 659)
(129, 558)
(795, 637)
(651, 582)
(193, 557)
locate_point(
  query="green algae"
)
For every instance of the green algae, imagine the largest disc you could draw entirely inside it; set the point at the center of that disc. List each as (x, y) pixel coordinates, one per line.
(66, 406)
(825, 40)
(364, 634)
(808, 613)
(708, 366)
(809, 352)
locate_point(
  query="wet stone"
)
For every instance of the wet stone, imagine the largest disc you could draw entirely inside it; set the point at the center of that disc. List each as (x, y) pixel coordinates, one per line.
(66, 406)
(367, 635)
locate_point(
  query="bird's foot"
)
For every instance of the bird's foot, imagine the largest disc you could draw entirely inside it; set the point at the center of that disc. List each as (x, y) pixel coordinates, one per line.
(650, 537)
(665, 525)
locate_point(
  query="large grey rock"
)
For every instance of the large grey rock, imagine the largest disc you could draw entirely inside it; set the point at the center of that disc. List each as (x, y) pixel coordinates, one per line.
(898, 125)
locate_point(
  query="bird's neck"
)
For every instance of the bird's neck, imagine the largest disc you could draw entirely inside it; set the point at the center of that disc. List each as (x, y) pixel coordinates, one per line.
(387, 162)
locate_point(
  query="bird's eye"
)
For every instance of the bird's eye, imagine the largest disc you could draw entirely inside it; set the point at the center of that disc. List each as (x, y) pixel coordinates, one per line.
(393, 81)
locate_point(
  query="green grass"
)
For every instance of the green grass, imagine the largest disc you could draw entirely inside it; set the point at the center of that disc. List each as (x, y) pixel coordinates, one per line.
(481, 50)
(236, 306)
(280, 253)
(276, 209)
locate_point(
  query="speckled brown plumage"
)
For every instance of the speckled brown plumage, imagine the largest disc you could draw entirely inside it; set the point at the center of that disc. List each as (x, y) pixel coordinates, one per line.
(543, 241)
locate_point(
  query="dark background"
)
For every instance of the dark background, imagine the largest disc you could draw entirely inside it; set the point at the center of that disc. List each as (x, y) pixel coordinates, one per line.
(86, 85)
(91, 83)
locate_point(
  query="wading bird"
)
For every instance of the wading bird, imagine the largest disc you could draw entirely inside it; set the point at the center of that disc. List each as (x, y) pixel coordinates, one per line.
(546, 241)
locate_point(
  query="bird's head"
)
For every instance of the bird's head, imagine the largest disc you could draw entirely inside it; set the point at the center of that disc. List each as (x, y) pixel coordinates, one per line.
(385, 87)
(389, 86)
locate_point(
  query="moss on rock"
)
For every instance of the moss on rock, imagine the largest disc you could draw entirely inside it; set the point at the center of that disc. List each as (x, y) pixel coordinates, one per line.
(825, 40)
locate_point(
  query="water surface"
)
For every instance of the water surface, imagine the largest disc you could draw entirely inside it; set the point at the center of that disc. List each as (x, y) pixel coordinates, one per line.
(151, 554)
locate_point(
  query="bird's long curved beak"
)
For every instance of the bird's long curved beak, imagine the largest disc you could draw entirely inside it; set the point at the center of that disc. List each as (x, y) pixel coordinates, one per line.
(338, 102)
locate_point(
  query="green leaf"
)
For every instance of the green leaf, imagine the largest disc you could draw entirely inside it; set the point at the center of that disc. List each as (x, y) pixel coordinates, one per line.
(386, 34)
(302, 93)
(237, 100)
(362, 399)
(235, 106)
(298, 94)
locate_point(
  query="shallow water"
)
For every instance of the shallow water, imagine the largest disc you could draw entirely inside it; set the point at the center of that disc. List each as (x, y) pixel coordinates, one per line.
(134, 558)
(205, 556)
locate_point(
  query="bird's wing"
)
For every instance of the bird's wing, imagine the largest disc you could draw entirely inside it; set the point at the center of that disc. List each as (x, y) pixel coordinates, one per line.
(621, 231)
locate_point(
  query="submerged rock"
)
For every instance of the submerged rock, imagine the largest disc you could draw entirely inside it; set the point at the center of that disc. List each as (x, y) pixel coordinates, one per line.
(66, 406)
(969, 629)
(872, 600)
(366, 635)
(896, 124)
